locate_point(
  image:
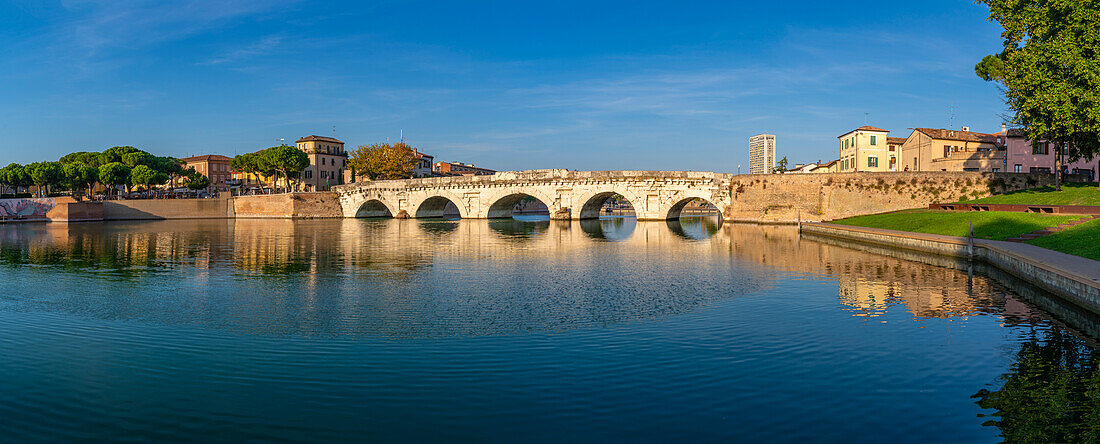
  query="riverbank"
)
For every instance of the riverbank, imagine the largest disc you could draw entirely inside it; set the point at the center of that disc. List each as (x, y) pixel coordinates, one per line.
(1073, 278)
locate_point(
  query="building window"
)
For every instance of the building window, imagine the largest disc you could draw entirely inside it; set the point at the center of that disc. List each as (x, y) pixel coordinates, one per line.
(872, 162)
(873, 141)
(1040, 148)
(1018, 168)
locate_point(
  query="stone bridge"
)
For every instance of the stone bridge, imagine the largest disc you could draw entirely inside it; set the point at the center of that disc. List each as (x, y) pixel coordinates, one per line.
(655, 195)
(662, 195)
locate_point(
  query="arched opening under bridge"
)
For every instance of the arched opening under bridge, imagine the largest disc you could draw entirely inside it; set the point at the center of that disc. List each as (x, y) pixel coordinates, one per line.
(694, 218)
(519, 206)
(438, 207)
(606, 205)
(373, 208)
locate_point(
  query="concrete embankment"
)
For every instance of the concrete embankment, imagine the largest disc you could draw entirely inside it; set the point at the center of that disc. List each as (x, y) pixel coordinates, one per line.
(288, 206)
(158, 209)
(1074, 278)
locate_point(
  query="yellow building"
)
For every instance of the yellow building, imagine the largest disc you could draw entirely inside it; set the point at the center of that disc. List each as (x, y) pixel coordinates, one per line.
(864, 149)
(327, 162)
(932, 149)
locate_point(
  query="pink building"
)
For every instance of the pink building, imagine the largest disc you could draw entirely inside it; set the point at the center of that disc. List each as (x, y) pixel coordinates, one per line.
(1025, 158)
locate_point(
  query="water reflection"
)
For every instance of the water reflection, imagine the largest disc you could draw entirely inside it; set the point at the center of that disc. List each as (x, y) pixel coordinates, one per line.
(746, 323)
(1050, 394)
(612, 228)
(347, 258)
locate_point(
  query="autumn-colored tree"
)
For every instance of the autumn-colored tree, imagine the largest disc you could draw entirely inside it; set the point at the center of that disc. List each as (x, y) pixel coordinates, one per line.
(381, 161)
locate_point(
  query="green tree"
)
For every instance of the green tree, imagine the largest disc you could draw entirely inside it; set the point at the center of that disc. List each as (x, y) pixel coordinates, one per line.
(45, 175)
(1049, 72)
(14, 175)
(382, 161)
(143, 176)
(114, 174)
(114, 154)
(89, 158)
(136, 158)
(79, 176)
(781, 166)
(196, 181)
(287, 160)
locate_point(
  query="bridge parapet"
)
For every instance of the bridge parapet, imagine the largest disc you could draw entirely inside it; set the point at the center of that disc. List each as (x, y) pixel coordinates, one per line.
(657, 195)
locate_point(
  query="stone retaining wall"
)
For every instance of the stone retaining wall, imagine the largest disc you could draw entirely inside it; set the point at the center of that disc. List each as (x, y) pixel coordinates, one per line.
(288, 206)
(155, 209)
(819, 197)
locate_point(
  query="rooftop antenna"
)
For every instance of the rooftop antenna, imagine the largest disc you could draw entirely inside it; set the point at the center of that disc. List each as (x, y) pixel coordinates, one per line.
(951, 110)
(281, 140)
(333, 131)
(402, 135)
(865, 118)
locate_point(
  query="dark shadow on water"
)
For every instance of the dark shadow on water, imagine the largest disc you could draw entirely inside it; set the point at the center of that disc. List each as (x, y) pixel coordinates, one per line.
(439, 226)
(519, 229)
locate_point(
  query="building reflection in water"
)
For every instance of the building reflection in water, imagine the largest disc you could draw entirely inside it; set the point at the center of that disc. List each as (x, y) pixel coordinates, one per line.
(353, 259)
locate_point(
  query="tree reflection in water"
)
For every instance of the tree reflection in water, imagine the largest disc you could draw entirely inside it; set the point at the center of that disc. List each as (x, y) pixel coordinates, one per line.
(1050, 394)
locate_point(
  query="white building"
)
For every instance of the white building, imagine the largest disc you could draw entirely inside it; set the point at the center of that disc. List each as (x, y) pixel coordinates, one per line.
(761, 154)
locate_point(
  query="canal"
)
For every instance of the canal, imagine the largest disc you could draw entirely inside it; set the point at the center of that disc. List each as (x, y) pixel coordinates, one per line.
(520, 330)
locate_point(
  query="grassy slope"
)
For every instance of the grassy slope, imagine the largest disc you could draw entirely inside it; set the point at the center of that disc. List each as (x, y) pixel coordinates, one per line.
(1082, 240)
(987, 224)
(1071, 194)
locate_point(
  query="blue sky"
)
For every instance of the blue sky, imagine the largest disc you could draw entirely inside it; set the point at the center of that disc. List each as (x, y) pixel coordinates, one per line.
(506, 85)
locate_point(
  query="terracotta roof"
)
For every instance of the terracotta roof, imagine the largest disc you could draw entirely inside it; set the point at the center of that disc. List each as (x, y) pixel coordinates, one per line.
(965, 136)
(896, 140)
(316, 138)
(1016, 132)
(864, 128)
(207, 158)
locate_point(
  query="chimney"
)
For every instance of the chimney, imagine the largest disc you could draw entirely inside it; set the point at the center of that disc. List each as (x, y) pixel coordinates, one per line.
(1004, 127)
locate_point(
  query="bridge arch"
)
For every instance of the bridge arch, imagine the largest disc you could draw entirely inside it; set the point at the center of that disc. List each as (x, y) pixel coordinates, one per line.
(676, 209)
(592, 204)
(374, 208)
(503, 206)
(436, 207)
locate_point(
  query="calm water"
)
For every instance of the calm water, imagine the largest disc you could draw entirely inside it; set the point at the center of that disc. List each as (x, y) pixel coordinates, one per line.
(517, 331)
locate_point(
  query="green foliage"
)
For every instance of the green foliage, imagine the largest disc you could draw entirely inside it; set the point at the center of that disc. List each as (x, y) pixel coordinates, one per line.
(781, 166)
(143, 175)
(79, 175)
(88, 158)
(114, 173)
(1049, 70)
(114, 154)
(45, 174)
(136, 158)
(991, 68)
(196, 181)
(1051, 393)
(14, 175)
(287, 160)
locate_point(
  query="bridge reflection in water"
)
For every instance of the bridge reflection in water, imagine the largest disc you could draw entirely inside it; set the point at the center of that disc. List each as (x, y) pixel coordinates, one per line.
(333, 258)
(725, 321)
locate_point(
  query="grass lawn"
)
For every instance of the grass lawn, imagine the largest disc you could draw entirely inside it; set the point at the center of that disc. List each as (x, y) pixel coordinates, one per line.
(1071, 194)
(1082, 240)
(995, 225)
